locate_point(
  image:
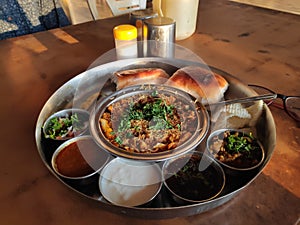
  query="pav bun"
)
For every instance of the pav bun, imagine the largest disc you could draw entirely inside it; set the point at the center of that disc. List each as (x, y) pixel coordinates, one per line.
(203, 84)
(132, 77)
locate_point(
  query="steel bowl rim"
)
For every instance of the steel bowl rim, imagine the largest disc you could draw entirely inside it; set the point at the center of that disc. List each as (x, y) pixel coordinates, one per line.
(101, 177)
(67, 143)
(220, 171)
(232, 168)
(64, 112)
(194, 141)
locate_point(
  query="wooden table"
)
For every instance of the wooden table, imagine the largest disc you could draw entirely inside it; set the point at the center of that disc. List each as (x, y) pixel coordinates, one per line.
(255, 45)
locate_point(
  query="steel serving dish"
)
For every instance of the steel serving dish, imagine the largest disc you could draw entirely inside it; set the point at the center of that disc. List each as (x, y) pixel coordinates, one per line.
(200, 129)
(85, 89)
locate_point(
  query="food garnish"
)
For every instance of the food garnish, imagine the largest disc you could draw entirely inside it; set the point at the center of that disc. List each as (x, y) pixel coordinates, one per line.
(235, 143)
(148, 122)
(67, 126)
(152, 109)
(236, 148)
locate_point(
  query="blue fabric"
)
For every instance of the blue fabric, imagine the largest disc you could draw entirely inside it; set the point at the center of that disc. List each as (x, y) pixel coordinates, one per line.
(19, 17)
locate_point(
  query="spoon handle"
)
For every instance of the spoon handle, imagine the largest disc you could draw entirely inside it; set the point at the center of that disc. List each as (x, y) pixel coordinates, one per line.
(246, 99)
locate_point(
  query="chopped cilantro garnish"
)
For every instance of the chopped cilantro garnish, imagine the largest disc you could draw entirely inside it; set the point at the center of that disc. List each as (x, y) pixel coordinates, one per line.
(155, 110)
(59, 127)
(236, 143)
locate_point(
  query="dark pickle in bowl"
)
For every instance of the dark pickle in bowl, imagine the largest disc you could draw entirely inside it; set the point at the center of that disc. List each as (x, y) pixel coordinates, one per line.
(193, 178)
(66, 124)
(235, 149)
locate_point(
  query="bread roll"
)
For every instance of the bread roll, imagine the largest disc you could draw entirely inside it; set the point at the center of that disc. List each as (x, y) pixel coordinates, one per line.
(203, 84)
(132, 77)
(236, 116)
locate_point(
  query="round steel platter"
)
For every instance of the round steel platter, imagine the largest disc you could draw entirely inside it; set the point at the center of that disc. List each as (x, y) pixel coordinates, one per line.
(82, 91)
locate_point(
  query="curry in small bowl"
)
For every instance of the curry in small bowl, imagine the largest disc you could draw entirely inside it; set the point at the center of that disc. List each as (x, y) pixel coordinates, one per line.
(79, 158)
(236, 149)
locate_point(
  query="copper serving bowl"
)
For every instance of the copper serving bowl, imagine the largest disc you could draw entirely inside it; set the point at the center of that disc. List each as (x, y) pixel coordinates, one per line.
(122, 100)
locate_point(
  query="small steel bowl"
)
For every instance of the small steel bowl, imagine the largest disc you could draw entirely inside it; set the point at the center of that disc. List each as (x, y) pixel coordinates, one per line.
(200, 125)
(83, 118)
(130, 183)
(79, 158)
(193, 178)
(239, 164)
